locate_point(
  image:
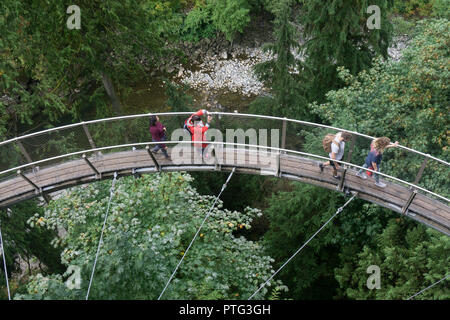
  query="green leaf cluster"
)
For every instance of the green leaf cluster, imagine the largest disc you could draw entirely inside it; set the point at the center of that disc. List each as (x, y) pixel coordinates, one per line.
(150, 224)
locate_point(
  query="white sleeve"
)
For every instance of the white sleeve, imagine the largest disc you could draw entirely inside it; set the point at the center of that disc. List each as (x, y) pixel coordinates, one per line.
(334, 148)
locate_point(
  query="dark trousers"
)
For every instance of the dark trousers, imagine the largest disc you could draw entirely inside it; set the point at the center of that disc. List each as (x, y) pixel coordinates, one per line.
(161, 147)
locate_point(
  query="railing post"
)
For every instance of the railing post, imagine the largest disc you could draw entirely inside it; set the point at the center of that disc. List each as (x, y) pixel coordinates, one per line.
(352, 147)
(24, 151)
(278, 174)
(422, 168)
(158, 167)
(217, 165)
(88, 135)
(283, 134)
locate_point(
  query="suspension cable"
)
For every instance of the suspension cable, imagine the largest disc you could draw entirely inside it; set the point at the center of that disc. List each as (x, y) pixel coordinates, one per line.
(428, 287)
(4, 263)
(273, 275)
(198, 230)
(101, 234)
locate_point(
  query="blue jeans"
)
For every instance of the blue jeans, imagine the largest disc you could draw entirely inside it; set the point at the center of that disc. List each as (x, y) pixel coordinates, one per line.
(376, 176)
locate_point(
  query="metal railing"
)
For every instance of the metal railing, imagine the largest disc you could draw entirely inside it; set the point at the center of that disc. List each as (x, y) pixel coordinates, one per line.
(418, 170)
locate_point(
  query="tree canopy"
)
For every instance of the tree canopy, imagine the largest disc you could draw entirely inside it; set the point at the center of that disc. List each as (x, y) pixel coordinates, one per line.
(150, 224)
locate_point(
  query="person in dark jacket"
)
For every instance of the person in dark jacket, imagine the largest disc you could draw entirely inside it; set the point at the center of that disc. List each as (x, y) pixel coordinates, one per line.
(158, 132)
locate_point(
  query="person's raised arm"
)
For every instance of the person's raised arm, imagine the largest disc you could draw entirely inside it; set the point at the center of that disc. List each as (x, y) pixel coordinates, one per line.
(206, 127)
(392, 145)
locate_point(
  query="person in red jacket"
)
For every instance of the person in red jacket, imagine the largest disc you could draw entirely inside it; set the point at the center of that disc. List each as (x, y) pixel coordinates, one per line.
(197, 128)
(158, 132)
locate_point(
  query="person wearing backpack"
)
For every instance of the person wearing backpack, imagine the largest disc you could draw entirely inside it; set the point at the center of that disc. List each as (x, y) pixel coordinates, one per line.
(197, 129)
(373, 159)
(334, 145)
(158, 132)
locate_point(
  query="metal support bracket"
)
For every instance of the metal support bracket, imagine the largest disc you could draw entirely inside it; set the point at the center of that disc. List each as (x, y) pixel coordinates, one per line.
(408, 203)
(157, 165)
(20, 173)
(278, 174)
(283, 134)
(97, 173)
(341, 185)
(38, 190)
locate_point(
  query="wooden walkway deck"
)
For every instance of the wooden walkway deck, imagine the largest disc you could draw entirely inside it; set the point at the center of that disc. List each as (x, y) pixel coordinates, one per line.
(395, 197)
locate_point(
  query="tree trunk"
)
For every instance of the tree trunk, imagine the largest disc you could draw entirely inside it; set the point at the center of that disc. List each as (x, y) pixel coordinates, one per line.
(109, 87)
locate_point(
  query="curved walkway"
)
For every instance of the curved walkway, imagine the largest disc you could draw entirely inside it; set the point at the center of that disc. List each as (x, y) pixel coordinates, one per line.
(395, 197)
(70, 155)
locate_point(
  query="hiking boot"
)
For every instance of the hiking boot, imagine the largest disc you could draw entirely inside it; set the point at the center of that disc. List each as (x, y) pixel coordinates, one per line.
(337, 177)
(362, 175)
(380, 184)
(321, 167)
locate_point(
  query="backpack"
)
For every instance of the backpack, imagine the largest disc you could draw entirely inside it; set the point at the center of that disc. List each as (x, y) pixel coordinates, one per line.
(327, 141)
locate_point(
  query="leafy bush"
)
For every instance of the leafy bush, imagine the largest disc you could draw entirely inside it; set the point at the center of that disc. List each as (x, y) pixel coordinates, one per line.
(150, 224)
(209, 16)
(423, 8)
(406, 101)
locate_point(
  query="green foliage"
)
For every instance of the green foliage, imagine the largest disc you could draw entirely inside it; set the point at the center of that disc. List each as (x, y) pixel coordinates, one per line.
(422, 8)
(419, 8)
(402, 26)
(198, 24)
(407, 101)
(230, 16)
(178, 99)
(294, 217)
(441, 9)
(25, 89)
(209, 16)
(280, 72)
(30, 244)
(413, 7)
(150, 224)
(410, 259)
(48, 71)
(336, 35)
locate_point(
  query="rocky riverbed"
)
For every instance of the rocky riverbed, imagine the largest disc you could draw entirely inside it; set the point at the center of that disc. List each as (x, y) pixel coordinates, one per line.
(232, 69)
(220, 73)
(232, 72)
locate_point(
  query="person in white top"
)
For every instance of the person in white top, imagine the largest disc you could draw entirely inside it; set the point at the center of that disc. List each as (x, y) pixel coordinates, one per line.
(337, 152)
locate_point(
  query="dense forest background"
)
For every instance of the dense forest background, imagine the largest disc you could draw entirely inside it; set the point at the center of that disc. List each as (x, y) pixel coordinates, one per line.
(51, 75)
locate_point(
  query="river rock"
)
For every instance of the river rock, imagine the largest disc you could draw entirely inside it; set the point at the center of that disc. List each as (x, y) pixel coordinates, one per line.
(224, 55)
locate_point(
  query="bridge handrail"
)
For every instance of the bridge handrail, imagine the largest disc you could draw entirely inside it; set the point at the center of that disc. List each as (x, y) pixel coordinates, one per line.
(279, 150)
(236, 114)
